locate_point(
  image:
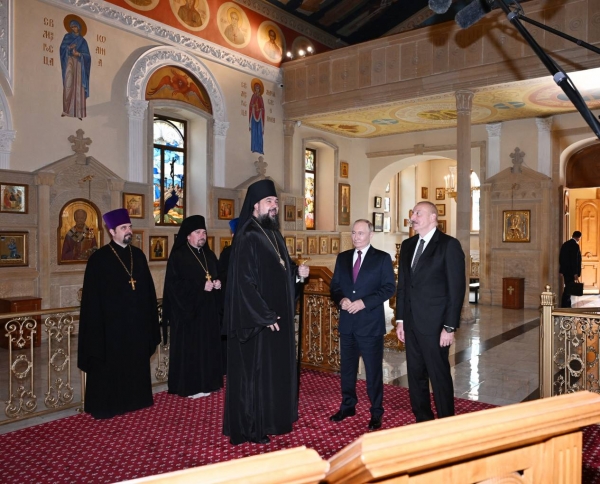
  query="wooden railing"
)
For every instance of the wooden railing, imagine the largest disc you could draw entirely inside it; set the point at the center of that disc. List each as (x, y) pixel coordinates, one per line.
(539, 441)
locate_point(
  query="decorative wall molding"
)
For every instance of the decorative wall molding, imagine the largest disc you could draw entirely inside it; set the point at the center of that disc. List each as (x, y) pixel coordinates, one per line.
(158, 32)
(7, 42)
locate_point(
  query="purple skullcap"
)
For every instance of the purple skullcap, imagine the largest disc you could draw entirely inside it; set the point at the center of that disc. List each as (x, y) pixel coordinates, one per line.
(233, 225)
(117, 217)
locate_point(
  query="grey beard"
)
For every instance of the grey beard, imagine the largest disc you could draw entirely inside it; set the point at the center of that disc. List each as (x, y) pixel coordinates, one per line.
(267, 222)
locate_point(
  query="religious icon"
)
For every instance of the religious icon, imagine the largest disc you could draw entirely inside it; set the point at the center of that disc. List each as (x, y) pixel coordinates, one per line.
(271, 41)
(80, 232)
(75, 62)
(13, 249)
(233, 24)
(225, 209)
(289, 213)
(343, 204)
(516, 226)
(14, 198)
(191, 13)
(159, 249)
(256, 117)
(134, 204)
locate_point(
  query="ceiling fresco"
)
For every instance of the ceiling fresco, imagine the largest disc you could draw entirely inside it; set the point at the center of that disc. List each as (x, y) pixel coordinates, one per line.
(519, 100)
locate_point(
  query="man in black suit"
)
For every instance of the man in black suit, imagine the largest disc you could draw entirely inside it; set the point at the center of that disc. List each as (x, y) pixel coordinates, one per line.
(363, 280)
(570, 265)
(431, 290)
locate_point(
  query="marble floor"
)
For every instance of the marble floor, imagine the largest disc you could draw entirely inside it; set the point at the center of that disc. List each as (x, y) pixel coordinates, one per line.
(494, 360)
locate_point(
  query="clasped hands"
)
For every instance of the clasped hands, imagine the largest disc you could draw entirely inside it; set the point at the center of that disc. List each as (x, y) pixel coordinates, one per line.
(352, 306)
(210, 285)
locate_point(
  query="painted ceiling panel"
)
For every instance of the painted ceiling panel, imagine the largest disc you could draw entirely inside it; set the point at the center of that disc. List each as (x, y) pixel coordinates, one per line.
(528, 99)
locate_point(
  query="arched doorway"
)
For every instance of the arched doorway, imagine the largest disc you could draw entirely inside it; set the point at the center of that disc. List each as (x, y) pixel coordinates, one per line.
(581, 204)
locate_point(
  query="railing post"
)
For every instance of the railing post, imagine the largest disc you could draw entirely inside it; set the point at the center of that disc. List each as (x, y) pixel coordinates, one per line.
(546, 342)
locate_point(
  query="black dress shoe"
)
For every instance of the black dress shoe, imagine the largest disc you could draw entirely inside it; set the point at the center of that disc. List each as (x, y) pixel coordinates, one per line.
(342, 414)
(262, 440)
(375, 423)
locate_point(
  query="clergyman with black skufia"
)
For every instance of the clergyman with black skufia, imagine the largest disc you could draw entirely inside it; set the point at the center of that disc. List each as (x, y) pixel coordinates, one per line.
(191, 306)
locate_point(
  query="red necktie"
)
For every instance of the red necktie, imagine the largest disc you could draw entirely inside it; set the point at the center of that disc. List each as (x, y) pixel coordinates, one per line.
(356, 267)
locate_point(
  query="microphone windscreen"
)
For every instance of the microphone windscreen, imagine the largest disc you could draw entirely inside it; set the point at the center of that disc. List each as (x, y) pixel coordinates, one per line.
(440, 6)
(473, 13)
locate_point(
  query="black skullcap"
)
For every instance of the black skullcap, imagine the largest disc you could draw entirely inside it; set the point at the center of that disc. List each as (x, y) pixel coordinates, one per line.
(191, 223)
(256, 192)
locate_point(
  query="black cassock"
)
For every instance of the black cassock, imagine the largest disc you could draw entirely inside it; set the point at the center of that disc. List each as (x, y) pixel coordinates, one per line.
(261, 393)
(194, 317)
(118, 332)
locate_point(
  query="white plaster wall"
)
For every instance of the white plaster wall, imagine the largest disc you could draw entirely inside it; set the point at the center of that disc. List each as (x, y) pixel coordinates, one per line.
(37, 103)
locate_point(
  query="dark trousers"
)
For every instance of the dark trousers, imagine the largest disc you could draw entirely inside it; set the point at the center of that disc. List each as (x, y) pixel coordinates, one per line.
(427, 361)
(371, 349)
(566, 297)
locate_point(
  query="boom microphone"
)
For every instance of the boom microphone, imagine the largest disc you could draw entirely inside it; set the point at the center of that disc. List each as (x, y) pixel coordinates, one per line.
(474, 12)
(440, 6)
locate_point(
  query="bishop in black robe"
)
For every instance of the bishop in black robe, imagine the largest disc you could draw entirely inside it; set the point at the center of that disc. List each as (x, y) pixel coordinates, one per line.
(261, 392)
(118, 327)
(191, 306)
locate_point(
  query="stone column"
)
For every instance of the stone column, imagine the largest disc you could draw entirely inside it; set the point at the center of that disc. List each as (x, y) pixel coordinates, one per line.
(44, 181)
(289, 128)
(136, 111)
(464, 103)
(544, 126)
(493, 160)
(220, 136)
(116, 193)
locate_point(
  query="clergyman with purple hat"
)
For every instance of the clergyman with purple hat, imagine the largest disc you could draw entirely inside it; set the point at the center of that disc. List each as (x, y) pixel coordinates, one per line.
(118, 326)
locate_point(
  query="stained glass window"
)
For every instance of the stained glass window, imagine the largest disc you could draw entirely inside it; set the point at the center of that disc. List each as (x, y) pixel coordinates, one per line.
(169, 170)
(310, 185)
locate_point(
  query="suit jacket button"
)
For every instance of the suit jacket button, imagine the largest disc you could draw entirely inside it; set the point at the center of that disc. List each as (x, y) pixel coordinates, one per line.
(353, 292)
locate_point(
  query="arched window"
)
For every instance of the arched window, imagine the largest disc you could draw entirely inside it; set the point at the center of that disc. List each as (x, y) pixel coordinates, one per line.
(169, 167)
(310, 188)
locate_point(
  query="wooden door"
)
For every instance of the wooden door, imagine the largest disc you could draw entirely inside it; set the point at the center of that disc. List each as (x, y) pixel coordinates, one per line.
(588, 217)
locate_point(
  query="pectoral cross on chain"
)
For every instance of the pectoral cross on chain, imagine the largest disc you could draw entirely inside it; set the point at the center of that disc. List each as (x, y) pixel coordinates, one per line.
(208, 278)
(132, 282)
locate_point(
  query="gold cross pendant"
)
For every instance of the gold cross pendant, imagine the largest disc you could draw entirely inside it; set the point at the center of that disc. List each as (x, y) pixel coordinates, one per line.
(208, 278)
(132, 282)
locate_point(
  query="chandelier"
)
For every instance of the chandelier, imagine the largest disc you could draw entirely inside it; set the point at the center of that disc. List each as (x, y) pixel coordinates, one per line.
(450, 180)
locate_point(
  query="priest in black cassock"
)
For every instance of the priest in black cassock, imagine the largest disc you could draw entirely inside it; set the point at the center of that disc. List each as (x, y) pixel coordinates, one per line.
(191, 306)
(261, 392)
(118, 326)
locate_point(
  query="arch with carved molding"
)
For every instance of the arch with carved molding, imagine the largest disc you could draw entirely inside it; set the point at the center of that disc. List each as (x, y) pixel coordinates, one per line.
(137, 106)
(7, 134)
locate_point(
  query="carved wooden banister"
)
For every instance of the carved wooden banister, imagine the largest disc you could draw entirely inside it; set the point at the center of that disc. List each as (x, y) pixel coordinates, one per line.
(541, 440)
(320, 317)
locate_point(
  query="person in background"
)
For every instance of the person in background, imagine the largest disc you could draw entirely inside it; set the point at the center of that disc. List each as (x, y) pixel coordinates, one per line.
(431, 291)
(192, 308)
(118, 326)
(569, 260)
(223, 267)
(362, 281)
(261, 394)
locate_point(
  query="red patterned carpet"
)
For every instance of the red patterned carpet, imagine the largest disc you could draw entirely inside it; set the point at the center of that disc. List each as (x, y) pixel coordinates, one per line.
(178, 433)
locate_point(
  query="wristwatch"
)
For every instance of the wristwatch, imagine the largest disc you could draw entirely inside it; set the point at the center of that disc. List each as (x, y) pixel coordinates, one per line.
(449, 329)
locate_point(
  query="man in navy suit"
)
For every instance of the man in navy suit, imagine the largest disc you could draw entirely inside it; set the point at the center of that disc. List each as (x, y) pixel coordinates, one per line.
(570, 266)
(431, 290)
(363, 280)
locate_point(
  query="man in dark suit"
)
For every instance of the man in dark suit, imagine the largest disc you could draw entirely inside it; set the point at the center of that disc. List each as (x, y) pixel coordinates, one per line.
(570, 266)
(363, 280)
(431, 290)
